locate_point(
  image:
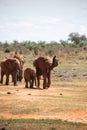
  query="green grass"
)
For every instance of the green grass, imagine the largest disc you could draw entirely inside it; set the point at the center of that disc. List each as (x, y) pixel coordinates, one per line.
(32, 124)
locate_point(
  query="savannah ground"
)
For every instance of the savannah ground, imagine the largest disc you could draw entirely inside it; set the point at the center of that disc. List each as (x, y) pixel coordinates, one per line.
(66, 99)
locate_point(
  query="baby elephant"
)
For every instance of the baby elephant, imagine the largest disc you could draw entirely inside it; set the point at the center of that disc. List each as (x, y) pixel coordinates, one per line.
(29, 76)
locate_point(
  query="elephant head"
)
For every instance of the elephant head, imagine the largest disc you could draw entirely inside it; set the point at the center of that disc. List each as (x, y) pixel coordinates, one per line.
(20, 58)
(19, 70)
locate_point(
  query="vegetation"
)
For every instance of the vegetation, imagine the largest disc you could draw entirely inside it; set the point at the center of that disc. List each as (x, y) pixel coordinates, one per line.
(32, 124)
(65, 99)
(74, 42)
(77, 38)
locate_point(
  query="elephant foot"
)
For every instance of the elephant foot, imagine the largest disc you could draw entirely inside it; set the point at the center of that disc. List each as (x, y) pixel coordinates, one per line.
(6, 84)
(15, 84)
(48, 85)
(1, 82)
(38, 87)
(31, 87)
(26, 86)
(44, 87)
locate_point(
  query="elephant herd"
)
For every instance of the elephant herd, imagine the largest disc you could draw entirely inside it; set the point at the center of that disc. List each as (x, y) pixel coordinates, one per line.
(14, 66)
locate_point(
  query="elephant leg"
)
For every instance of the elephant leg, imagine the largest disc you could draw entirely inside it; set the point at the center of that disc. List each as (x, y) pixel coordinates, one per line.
(32, 83)
(14, 77)
(38, 81)
(2, 75)
(15, 81)
(7, 79)
(26, 84)
(49, 80)
(44, 82)
(35, 81)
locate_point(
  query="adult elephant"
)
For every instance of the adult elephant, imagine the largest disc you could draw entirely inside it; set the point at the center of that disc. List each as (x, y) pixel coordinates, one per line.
(44, 67)
(20, 58)
(11, 66)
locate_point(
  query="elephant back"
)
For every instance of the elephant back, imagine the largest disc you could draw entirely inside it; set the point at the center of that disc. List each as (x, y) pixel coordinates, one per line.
(10, 64)
(42, 61)
(29, 73)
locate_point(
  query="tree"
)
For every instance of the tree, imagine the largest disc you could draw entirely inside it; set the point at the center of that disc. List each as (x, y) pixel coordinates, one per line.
(63, 42)
(76, 37)
(83, 38)
(15, 42)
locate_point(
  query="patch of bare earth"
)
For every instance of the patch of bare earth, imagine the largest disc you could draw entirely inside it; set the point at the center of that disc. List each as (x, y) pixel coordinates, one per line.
(49, 103)
(74, 116)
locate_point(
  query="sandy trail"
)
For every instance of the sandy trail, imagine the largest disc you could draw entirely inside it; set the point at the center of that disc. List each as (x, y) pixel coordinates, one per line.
(38, 96)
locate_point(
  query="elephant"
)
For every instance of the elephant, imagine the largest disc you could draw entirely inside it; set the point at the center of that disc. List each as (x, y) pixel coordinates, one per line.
(11, 66)
(44, 67)
(20, 58)
(29, 76)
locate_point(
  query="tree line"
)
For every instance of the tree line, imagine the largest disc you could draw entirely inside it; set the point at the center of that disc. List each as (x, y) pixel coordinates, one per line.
(74, 40)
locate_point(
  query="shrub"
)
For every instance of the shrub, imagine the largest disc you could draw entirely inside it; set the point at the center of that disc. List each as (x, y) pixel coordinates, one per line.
(7, 50)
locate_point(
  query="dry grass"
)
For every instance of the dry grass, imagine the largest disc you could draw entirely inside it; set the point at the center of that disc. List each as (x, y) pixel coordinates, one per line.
(64, 100)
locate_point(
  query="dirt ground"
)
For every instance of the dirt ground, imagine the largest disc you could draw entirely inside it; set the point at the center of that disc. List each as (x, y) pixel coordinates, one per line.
(63, 100)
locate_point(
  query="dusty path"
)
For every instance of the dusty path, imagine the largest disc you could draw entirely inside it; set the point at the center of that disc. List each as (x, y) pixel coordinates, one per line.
(74, 116)
(44, 104)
